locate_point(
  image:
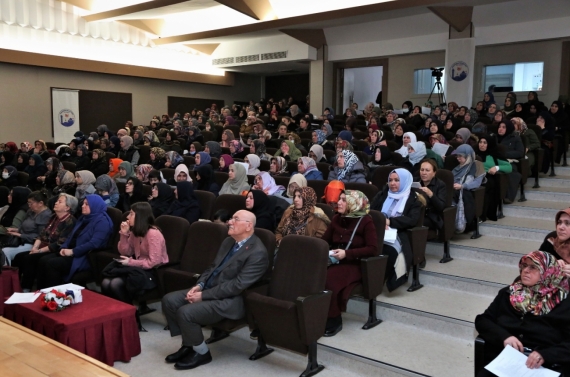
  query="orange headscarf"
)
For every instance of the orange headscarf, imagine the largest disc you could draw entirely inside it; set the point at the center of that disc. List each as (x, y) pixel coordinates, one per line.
(115, 162)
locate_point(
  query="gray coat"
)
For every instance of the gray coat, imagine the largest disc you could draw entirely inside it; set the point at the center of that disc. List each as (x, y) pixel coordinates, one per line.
(357, 175)
(243, 269)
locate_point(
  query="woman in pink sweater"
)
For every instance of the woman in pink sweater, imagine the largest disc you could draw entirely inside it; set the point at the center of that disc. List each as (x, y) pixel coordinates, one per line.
(142, 247)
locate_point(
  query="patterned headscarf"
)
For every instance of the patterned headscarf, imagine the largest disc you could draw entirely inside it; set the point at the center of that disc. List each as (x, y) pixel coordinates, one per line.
(151, 136)
(321, 136)
(143, 170)
(237, 145)
(309, 164)
(175, 159)
(357, 204)
(159, 153)
(542, 297)
(297, 222)
(281, 164)
(65, 177)
(350, 159)
(329, 129)
(269, 185)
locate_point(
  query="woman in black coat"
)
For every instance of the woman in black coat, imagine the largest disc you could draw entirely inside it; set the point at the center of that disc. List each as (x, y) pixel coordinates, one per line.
(35, 169)
(402, 208)
(186, 204)
(435, 193)
(133, 194)
(99, 164)
(532, 315)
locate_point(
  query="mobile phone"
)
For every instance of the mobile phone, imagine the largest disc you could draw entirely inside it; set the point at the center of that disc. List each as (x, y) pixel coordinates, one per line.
(117, 259)
(416, 185)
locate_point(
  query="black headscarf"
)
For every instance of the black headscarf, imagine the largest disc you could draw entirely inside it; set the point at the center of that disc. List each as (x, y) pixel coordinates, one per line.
(162, 202)
(25, 161)
(136, 197)
(263, 211)
(206, 173)
(19, 202)
(186, 206)
(510, 129)
(492, 149)
(385, 156)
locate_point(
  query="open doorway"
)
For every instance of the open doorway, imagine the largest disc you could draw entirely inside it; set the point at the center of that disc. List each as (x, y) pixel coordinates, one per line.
(362, 85)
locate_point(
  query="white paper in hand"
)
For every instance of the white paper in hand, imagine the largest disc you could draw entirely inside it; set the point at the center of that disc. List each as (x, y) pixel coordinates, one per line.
(511, 363)
(390, 235)
(440, 149)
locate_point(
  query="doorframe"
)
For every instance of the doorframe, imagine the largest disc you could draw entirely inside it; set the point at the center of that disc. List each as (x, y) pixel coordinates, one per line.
(338, 77)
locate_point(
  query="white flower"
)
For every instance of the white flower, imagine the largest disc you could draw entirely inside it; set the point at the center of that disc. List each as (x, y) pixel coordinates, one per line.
(58, 300)
(66, 302)
(49, 296)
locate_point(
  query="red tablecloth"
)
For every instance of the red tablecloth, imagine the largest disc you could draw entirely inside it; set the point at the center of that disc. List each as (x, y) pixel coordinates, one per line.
(100, 327)
(9, 283)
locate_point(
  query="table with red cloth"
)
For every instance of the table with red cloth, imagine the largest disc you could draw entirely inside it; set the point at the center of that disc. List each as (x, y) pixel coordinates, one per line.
(100, 327)
(9, 283)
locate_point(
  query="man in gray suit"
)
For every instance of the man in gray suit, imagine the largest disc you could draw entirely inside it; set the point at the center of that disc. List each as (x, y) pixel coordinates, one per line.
(241, 261)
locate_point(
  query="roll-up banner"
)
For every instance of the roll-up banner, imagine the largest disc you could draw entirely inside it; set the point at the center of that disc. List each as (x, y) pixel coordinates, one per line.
(65, 114)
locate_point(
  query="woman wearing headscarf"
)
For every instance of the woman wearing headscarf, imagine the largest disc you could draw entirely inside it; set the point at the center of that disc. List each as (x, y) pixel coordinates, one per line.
(344, 273)
(206, 180)
(213, 149)
(265, 182)
(381, 157)
(138, 138)
(142, 172)
(493, 161)
(194, 135)
(319, 138)
(253, 161)
(376, 140)
(557, 243)
(65, 183)
(347, 168)
(462, 135)
(467, 176)
(53, 168)
(227, 138)
(84, 180)
(150, 139)
(514, 150)
(548, 127)
(173, 159)
(114, 164)
(409, 137)
(402, 209)
(278, 167)
(225, 161)
(236, 150)
(133, 194)
(237, 181)
(201, 159)
(531, 315)
(35, 169)
(181, 173)
(23, 161)
(258, 203)
(289, 151)
(114, 145)
(162, 196)
(533, 100)
(529, 138)
(6, 159)
(107, 189)
(128, 152)
(81, 160)
(302, 217)
(308, 167)
(99, 164)
(17, 209)
(488, 99)
(317, 153)
(416, 153)
(258, 148)
(561, 123)
(157, 158)
(126, 171)
(92, 231)
(9, 177)
(171, 143)
(185, 204)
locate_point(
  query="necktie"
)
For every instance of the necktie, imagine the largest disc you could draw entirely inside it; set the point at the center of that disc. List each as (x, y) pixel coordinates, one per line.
(219, 268)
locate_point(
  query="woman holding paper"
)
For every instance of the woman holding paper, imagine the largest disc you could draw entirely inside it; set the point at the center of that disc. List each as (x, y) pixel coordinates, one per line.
(435, 193)
(402, 209)
(532, 315)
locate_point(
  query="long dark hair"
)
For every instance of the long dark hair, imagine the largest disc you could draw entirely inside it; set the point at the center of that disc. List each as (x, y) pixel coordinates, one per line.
(144, 219)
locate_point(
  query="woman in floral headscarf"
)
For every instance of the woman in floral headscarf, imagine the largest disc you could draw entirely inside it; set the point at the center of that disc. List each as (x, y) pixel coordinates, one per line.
(348, 168)
(236, 150)
(531, 315)
(142, 172)
(278, 167)
(302, 218)
(402, 209)
(173, 159)
(344, 272)
(308, 167)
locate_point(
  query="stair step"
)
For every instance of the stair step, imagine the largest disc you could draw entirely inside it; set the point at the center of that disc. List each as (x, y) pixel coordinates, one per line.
(532, 209)
(498, 244)
(487, 255)
(546, 181)
(551, 194)
(409, 349)
(519, 228)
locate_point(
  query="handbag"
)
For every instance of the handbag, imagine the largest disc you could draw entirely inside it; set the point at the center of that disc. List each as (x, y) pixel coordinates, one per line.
(12, 241)
(333, 260)
(460, 221)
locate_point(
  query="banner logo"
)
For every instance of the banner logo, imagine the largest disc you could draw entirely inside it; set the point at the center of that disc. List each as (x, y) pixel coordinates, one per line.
(459, 71)
(66, 118)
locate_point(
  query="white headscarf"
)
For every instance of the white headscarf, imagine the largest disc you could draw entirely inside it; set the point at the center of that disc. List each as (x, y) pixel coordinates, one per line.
(404, 150)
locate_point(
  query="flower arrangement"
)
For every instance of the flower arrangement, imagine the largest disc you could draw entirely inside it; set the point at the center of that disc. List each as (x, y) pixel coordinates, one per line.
(56, 301)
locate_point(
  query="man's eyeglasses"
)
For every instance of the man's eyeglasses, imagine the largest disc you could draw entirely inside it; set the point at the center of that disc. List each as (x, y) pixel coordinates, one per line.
(238, 219)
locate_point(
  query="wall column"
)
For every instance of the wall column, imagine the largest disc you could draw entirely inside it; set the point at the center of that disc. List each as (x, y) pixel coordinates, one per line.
(321, 82)
(459, 71)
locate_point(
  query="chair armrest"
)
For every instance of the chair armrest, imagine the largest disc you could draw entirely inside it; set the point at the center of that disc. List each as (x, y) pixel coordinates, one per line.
(479, 199)
(165, 265)
(418, 242)
(172, 279)
(312, 312)
(373, 275)
(448, 230)
(479, 354)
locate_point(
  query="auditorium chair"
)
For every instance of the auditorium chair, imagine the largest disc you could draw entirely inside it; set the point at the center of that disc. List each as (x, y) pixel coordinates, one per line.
(292, 167)
(206, 200)
(292, 311)
(306, 135)
(144, 153)
(199, 253)
(264, 165)
(235, 130)
(363, 157)
(327, 209)
(360, 135)
(121, 187)
(110, 155)
(208, 136)
(220, 177)
(229, 202)
(215, 162)
(380, 176)
(329, 154)
(282, 180)
(325, 168)
(418, 241)
(448, 215)
(4, 192)
(373, 271)
(168, 174)
(220, 130)
(319, 187)
(359, 145)
(396, 159)
(69, 166)
(189, 161)
(479, 199)
(222, 329)
(367, 189)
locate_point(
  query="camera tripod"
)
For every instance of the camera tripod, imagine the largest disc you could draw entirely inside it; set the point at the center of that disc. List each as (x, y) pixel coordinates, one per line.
(440, 93)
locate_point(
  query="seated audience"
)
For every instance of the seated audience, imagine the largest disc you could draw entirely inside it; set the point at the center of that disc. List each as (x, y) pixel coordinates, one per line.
(467, 176)
(142, 171)
(288, 151)
(558, 244)
(409, 137)
(92, 231)
(278, 167)
(416, 153)
(206, 181)
(157, 158)
(348, 168)
(185, 204)
(9, 177)
(258, 203)
(236, 150)
(344, 273)
(253, 161)
(84, 180)
(213, 149)
(316, 152)
(532, 315)
(65, 183)
(107, 189)
(435, 193)
(133, 194)
(99, 164)
(161, 198)
(308, 167)
(128, 152)
(258, 148)
(173, 159)
(181, 173)
(114, 164)
(126, 171)
(216, 295)
(49, 240)
(402, 208)
(201, 158)
(225, 161)
(237, 181)
(36, 168)
(17, 210)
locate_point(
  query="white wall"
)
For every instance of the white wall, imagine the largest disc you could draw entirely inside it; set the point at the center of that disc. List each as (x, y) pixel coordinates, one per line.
(363, 83)
(25, 103)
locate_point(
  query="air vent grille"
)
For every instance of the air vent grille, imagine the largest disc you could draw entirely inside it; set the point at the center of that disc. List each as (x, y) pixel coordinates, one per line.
(274, 55)
(222, 61)
(247, 58)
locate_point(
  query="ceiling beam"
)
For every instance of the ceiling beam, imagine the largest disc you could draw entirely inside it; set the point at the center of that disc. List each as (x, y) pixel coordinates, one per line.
(153, 25)
(83, 4)
(206, 48)
(260, 10)
(313, 37)
(114, 13)
(456, 17)
(299, 20)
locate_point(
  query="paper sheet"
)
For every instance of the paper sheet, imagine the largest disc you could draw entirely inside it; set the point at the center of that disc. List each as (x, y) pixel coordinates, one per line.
(511, 363)
(426, 110)
(399, 111)
(440, 149)
(64, 287)
(390, 235)
(22, 298)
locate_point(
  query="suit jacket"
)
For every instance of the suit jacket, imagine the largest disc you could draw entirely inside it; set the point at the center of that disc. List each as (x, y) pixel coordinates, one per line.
(244, 268)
